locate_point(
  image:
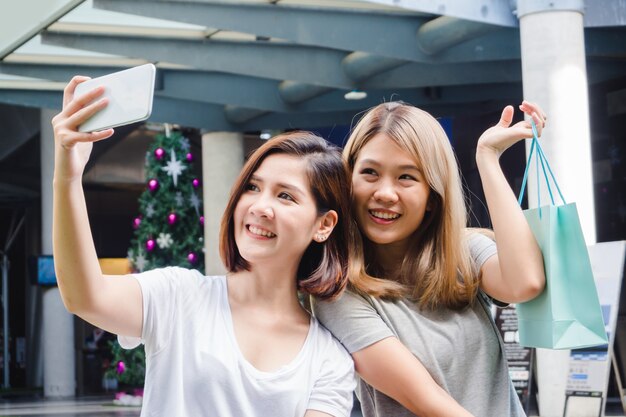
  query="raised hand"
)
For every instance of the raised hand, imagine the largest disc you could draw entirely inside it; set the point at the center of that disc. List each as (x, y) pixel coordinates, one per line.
(73, 148)
(500, 137)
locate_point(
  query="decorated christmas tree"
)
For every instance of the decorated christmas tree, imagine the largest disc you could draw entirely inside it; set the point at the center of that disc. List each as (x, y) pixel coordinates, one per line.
(168, 229)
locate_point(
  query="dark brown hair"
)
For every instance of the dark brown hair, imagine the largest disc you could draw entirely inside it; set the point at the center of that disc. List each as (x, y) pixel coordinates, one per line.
(323, 269)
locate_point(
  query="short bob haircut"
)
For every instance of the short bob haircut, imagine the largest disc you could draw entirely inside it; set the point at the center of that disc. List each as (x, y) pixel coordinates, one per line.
(323, 268)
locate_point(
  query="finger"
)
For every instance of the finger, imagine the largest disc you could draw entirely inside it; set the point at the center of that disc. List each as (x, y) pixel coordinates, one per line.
(530, 108)
(85, 113)
(99, 135)
(507, 117)
(78, 103)
(68, 92)
(90, 136)
(524, 129)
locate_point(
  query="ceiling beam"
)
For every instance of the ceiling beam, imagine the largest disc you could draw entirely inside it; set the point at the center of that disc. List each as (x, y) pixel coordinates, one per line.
(309, 65)
(494, 12)
(253, 92)
(164, 110)
(278, 61)
(418, 75)
(212, 117)
(348, 30)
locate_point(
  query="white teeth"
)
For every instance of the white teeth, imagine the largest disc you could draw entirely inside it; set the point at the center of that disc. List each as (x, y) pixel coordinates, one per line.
(384, 215)
(260, 232)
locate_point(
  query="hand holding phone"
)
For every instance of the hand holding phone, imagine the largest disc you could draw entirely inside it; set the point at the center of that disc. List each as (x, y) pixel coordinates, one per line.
(129, 92)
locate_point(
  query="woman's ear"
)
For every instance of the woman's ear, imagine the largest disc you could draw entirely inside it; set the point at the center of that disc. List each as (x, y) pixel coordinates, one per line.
(327, 223)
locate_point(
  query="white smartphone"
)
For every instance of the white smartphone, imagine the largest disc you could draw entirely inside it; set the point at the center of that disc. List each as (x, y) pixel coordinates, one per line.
(130, 94)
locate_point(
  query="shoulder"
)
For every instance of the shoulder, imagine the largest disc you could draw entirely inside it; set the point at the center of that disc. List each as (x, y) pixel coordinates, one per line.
(176, 280)
(344, 304)
(326, 343)
(481, 245)
(355, 320)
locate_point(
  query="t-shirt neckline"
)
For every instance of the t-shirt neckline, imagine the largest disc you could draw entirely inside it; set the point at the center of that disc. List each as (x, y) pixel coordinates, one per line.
(230, 328)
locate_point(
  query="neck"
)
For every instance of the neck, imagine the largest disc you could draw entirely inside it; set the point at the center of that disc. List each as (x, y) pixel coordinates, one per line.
(390, 256)
(269, 288)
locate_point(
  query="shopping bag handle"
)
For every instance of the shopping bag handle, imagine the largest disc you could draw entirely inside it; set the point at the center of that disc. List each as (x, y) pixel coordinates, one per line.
(535, 148)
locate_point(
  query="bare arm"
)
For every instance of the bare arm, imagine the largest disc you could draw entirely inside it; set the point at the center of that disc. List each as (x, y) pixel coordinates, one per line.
(392, 369)
(516, 274)
(112, 303)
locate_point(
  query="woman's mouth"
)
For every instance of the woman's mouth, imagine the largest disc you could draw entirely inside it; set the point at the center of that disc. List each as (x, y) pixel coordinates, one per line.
(260, 232)
(383, 216)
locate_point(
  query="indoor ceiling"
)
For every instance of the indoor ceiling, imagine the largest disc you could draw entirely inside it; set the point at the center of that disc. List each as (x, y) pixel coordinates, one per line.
(252, 65)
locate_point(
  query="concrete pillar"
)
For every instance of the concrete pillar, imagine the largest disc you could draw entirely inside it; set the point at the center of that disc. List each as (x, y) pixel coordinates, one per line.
(222, 160)
(554, 75)
(59, 375)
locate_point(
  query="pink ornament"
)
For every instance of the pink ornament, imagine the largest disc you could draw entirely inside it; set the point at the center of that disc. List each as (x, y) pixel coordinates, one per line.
(189, 157)
(202, 220)
(153, 184)
(196, 183)
(137, 222)
(159, 153)
(150, 244)
(171, 218)
(192, 257)
(121, 367)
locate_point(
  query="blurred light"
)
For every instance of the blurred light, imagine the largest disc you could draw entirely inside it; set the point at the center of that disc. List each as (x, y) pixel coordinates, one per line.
(355, 95)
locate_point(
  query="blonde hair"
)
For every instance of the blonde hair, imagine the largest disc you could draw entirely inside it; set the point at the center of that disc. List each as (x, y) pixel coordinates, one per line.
(436, 269)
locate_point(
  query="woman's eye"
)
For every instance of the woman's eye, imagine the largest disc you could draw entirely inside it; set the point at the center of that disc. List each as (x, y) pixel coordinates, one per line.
(408, 177)
(251, 187)
(368, 171)
(286, 196)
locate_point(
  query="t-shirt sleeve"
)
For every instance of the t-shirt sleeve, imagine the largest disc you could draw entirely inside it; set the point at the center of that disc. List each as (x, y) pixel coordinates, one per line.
(353, 320)
(481, 248)
(163, 291)
(333, 390)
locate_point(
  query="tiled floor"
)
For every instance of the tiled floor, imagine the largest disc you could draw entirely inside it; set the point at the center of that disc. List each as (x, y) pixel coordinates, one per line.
(67, 408)
(77, 408)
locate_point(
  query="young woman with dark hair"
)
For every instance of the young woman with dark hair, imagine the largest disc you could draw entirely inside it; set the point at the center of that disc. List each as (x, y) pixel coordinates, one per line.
(235, 345)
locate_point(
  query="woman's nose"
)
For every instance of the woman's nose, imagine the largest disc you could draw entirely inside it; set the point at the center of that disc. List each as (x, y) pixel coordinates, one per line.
(262, 207)
(385, 193)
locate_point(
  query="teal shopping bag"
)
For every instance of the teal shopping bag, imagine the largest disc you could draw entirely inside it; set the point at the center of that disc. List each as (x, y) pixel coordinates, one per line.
(567, 314)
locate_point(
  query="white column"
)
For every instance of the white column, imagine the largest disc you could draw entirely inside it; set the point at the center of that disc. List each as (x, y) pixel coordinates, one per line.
(554, 76)
(59, 376)
(222, 160)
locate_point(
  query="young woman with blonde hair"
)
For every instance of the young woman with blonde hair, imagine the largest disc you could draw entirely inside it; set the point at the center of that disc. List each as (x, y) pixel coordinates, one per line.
(235, 345)
(417, 318)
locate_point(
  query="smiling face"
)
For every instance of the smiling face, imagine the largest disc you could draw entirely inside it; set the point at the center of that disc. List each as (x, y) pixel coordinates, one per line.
(276, 216)
(390, 193)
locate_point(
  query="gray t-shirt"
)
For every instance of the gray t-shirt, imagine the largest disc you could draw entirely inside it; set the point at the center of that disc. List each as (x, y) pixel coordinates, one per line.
(461, 349)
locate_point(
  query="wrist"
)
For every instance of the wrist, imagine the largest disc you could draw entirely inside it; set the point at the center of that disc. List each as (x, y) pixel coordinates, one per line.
(61, 181)
(486, 155)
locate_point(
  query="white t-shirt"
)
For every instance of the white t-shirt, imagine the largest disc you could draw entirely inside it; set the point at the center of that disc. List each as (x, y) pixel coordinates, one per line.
(194, 366)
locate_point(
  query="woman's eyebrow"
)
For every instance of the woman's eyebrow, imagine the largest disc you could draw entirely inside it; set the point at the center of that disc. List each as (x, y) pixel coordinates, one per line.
(284, 185)
(402, 167)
